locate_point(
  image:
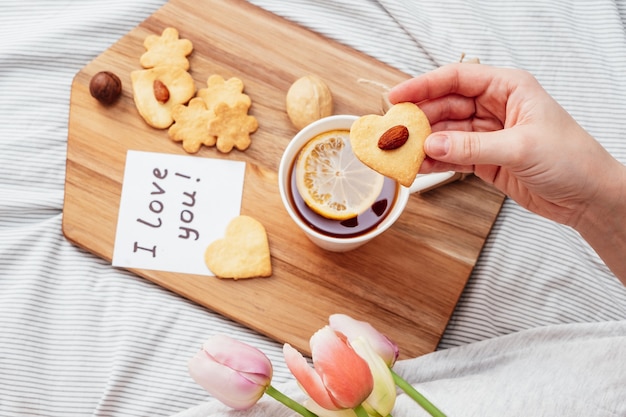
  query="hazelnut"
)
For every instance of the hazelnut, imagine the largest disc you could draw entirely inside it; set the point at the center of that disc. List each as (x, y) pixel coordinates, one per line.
(308, 100)
(105, 87)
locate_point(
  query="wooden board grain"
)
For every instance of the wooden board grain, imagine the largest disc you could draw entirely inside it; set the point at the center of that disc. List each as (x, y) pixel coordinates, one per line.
(406, 282)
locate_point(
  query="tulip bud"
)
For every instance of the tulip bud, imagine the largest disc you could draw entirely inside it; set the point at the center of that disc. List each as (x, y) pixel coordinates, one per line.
(322, 412)
(353, 329)
(383, 397)
(231, 371)
(340, 378)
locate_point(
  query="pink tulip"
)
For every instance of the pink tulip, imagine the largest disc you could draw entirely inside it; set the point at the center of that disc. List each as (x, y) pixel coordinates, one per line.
(353, 329)
(339, 379)
(231, 371)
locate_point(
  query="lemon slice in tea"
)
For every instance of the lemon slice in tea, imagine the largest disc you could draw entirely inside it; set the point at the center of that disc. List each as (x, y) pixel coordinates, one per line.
(332, 181)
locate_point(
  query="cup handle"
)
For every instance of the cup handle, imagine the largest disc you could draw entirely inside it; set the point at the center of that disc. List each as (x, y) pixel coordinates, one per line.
(426, 182)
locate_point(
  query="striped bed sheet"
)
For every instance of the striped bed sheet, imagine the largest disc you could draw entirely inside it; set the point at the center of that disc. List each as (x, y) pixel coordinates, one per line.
(79, 337)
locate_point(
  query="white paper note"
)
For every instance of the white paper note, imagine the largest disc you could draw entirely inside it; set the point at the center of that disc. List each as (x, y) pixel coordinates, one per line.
(172, 207)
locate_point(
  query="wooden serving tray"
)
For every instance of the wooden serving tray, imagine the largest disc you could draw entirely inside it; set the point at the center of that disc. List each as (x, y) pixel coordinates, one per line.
(405, 282)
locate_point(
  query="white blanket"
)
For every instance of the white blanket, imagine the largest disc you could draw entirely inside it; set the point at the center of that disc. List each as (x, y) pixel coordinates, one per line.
(79, 337)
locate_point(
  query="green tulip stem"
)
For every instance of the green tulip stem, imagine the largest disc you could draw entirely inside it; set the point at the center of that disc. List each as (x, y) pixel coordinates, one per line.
(288, 402)
(415, 395)
(360, 411)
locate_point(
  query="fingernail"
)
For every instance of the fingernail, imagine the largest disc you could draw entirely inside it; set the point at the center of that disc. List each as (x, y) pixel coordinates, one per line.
(437, 145)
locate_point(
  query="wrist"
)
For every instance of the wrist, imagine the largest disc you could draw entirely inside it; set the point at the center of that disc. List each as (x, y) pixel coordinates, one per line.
(603, 223)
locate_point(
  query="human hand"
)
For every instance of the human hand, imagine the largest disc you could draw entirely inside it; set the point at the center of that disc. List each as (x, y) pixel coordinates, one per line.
(503, 126)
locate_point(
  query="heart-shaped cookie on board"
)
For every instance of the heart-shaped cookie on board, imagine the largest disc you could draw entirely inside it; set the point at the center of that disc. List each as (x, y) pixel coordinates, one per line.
(392, 144)
(244, 251)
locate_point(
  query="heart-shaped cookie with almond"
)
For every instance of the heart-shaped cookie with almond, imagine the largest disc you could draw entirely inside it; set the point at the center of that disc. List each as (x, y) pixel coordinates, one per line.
(244, 251)
(393, 144)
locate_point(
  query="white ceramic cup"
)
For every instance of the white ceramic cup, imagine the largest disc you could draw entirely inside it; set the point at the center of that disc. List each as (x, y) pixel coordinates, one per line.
(343, 244)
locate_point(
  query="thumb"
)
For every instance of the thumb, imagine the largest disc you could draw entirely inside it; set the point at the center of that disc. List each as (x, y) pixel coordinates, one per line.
(469, 148)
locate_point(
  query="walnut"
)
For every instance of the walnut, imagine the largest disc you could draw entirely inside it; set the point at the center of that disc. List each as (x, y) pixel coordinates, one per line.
(308, 100)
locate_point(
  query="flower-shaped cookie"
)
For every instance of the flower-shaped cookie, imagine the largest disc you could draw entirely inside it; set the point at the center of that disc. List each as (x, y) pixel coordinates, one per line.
(190, 125)
(166, 50)
(232, 126)
(220, 91)
(393, 144)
